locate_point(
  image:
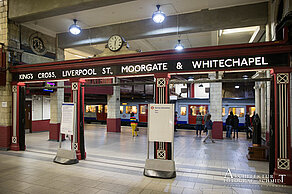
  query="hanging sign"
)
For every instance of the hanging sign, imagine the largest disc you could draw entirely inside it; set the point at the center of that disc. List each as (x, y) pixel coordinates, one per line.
(67, 121)
(169, 66)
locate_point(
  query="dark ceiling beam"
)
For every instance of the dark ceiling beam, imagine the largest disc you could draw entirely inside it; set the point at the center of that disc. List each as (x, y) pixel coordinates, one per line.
(29, 10)
(202, 21)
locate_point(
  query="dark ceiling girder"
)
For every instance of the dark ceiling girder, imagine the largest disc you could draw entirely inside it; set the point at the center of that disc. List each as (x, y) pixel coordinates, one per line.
(202, 21)
(29, 10)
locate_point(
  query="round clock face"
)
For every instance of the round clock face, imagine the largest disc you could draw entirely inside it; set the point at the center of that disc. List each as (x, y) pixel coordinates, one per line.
(115, 43)
(37, 45)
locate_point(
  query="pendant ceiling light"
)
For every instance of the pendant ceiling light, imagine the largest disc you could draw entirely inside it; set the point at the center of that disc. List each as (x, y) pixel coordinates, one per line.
(74, 28)
(178, 46)
(158, 16)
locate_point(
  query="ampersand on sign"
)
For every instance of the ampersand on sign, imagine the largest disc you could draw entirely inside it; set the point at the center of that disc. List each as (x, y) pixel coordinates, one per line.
(179, 65)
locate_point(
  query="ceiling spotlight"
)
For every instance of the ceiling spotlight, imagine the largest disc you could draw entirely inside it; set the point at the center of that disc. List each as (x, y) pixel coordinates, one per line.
(158, 16)
(74, 28)
(179, 46)
(245, 76)
(236, 86)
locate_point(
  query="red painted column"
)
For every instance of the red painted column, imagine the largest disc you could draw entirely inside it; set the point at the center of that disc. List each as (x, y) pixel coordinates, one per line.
(192, 90)
(78, 99)
(17, 143)
(283, 157)
(162, 97)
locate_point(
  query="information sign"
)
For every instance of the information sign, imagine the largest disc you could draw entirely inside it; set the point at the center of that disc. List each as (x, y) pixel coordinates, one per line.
(67, 121)
(161, 122)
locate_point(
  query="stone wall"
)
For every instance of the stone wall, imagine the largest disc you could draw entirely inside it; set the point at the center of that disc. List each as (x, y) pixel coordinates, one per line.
(20, 37)
(5, 91)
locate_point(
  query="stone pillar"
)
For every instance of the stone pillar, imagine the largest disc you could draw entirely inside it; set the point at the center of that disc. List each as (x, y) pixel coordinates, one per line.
(57, 98)
(113, 109)
(283, 170)
(5, 90)
(268, 106)
(263, 108)
(216, 105)
(257, 98)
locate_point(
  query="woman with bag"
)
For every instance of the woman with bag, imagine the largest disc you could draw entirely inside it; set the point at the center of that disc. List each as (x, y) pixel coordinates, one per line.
(209, 126)
(134, 123)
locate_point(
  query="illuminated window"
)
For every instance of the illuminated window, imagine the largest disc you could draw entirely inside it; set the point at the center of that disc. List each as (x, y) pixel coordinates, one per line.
(99, 108)
(121, 109)
(223, 112)
(143, 109)
(105, 109)
(130, 109)
(90, 108)
(237, 111)
(251, 111)
(196, 109)
(183, 111)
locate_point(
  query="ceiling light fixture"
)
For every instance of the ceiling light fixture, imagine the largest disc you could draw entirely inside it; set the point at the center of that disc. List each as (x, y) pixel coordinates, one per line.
(191, 79)
(236, 87)
(245, 76)
(158, 16)
(179, 46)
(74, 28)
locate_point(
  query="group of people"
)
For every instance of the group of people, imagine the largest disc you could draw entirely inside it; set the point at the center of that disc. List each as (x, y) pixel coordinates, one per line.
(232, 125)
(208, 125)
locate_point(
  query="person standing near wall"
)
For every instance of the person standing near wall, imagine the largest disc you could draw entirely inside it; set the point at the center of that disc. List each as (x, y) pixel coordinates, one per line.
(175, 121)
(209, 125)
(229, 123)
(199, 122)
(235, 126)
(134, 122)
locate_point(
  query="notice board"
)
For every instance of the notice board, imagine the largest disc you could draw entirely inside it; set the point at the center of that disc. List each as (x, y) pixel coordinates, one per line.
(161, 122)
(67, 121)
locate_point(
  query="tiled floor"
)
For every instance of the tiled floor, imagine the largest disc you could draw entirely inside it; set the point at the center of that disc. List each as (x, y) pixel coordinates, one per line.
(115, 163)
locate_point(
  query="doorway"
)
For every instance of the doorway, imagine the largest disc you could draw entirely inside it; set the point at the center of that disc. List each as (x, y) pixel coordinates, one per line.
(28, 115)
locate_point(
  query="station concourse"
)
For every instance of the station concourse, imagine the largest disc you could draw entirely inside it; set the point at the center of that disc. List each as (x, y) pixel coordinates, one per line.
(72, 73)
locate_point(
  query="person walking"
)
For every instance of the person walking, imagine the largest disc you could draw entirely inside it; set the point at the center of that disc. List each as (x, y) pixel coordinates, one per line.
(199, 121)
(235, 126)
(209, 125)
(134, 122)
(229, 123)
(205, 120)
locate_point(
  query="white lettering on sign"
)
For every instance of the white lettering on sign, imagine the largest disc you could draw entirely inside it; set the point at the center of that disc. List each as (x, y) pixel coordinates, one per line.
(78, 72)
(46, 75)
(106, 70)
(26, 76)
(226, 63)
(144, 68)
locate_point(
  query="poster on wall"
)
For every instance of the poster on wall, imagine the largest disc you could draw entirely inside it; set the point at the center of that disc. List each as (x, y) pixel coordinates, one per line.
(161, 122)
(67, 121)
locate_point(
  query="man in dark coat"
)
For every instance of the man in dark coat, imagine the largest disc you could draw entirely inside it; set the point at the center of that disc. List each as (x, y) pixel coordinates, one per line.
(256, 136)
(235, 126)
(229, 123)
(247, 126)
